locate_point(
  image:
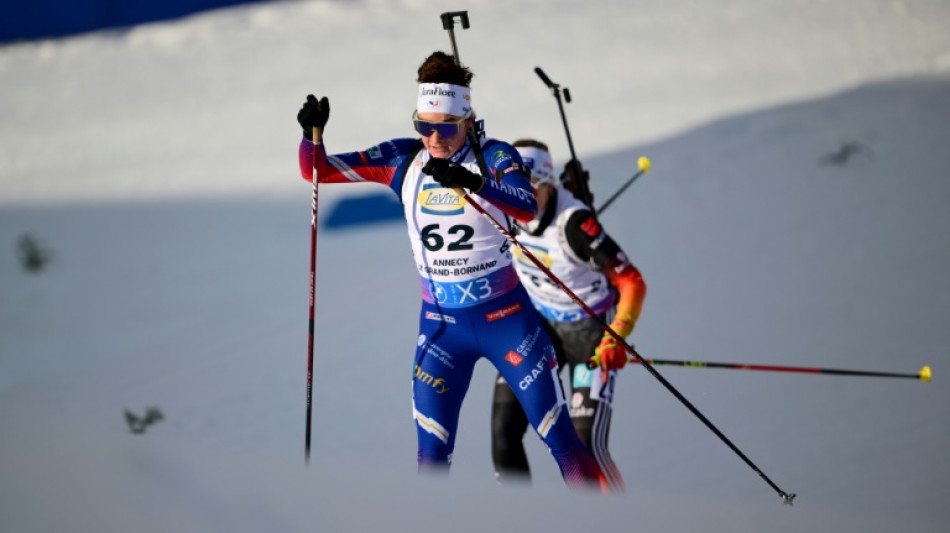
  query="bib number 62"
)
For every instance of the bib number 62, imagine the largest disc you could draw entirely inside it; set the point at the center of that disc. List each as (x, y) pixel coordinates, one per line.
(434, 241)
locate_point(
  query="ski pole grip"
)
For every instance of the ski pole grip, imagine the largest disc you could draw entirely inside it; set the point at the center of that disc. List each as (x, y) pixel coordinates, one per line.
(544, 77)
(567, 95)
(448, 19)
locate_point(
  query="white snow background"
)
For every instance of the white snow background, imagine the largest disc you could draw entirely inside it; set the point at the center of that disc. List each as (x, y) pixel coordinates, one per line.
(159, 166)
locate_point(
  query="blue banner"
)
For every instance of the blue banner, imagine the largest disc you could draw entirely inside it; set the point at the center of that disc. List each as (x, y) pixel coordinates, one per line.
(36, 19)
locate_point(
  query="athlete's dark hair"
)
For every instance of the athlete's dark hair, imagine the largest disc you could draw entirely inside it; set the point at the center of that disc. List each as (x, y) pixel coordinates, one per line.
(440, 67)
(531, 143)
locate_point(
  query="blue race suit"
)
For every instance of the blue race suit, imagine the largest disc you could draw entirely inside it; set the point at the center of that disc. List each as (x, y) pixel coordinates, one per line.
(473, 303)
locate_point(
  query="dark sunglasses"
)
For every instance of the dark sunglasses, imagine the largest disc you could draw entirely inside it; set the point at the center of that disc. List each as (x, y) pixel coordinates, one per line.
(445, 129)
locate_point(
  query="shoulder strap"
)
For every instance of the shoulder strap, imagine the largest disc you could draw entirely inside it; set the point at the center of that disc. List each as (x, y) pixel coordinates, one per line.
(401, 173)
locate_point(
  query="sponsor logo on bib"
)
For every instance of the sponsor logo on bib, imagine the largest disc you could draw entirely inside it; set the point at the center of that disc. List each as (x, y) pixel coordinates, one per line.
(437, 200)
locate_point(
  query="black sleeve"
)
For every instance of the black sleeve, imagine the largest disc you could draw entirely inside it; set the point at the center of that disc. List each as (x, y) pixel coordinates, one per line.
(588, 240)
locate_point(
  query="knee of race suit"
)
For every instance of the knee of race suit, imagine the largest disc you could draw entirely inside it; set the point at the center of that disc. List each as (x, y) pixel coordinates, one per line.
(436, 444)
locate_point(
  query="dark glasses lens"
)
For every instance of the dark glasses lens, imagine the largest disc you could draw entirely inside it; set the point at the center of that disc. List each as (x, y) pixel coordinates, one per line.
(445, 129)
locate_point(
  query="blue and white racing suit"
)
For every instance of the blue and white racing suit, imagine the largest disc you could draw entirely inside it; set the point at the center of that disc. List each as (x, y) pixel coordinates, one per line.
(473, 304)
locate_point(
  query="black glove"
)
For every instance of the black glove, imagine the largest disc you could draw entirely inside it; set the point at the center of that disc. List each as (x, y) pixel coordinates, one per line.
(313, 114)
(569, 180)
(452, 175)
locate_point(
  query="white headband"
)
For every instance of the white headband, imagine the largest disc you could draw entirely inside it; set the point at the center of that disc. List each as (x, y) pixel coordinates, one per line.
(447, 98)
(539, 162)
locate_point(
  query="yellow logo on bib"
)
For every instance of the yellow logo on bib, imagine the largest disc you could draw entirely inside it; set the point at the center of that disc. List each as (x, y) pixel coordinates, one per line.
(437, 200)
(540, 253)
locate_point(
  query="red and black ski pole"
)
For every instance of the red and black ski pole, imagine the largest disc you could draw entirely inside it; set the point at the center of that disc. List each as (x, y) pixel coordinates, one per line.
(786, 497)
(317, 135)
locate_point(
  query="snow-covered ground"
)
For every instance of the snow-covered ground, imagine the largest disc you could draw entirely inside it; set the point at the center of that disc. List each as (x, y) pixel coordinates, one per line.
(158, 165)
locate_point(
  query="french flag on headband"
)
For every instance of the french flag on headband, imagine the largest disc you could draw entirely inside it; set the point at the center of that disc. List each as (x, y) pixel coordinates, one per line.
(447, 98)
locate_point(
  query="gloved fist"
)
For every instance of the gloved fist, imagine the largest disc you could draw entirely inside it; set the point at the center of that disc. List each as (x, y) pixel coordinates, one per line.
(313, 114)
(611, 354)
(452, 175)
(572, 182)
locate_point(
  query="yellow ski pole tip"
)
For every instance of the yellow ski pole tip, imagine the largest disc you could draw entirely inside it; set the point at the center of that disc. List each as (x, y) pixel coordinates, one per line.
(924, 374)
(643, 163)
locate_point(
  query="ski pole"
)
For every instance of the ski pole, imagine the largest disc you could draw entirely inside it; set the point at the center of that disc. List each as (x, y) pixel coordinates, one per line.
(317, 136)
(923, 375)
(786, 497)
(575, 164)
(643, 166)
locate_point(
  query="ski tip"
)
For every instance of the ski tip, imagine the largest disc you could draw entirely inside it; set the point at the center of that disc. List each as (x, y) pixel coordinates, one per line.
(643, 163)
(924, 374)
